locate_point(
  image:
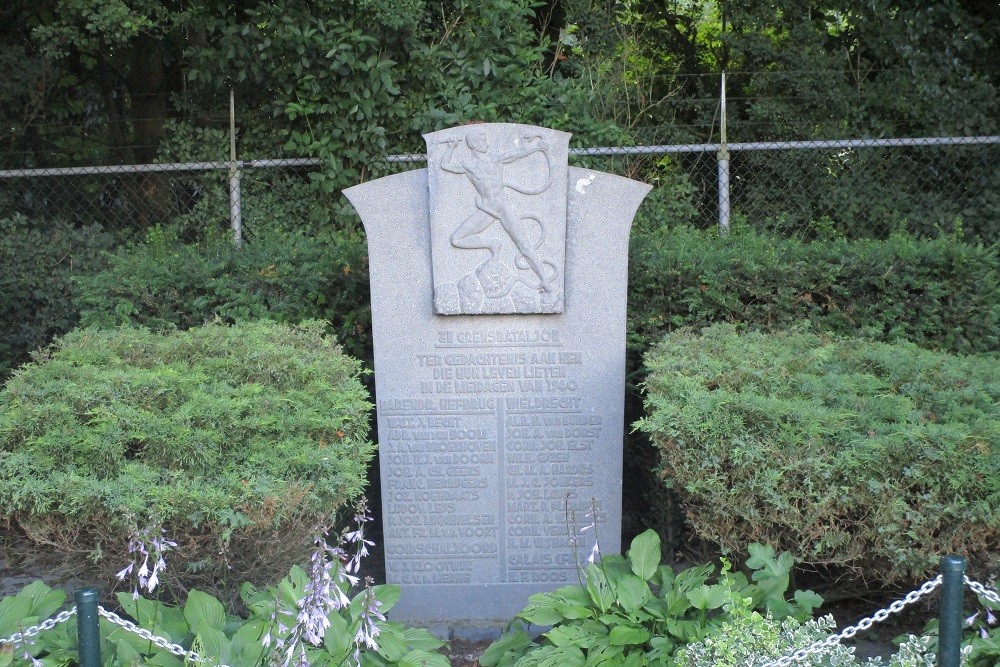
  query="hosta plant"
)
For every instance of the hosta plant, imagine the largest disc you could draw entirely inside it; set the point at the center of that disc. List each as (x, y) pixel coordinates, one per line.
(631, 610)
(201, 624)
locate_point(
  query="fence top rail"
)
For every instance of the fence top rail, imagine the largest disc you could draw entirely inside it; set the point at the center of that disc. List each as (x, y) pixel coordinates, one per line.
(160, 167)
(661, 149)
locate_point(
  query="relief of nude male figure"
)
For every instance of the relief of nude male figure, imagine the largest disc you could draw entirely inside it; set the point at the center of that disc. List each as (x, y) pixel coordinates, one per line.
(485, 170)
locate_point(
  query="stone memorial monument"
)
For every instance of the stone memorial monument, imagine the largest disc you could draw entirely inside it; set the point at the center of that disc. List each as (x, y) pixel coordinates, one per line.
(498, 289)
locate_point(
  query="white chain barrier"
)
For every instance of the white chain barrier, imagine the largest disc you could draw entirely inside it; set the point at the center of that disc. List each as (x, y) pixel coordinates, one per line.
(156, 640)
(987, 592)
(849, 632)
(20, 637)
(862, 625)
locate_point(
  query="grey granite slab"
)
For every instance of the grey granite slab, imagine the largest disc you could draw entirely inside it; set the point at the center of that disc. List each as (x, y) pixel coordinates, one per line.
(498, 433)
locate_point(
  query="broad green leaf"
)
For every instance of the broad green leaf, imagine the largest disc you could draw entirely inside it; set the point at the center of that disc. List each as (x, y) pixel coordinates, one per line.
(514, 643)
(202, 610)
(542, 609)
(564, 656)
(164, 659)
(155, 616)
(338, 640)
(664, 577)
(245, 647)
(599, 589)
(623, 635)
(564, 635)
(632, 593)
(807, 602)
(605, 656)
(213, 642)
(418, 658)
(574, 612)
(635, 659)
(392, 644)
(388, 595)
(662, 647)
(126, 653)
(764, 564)
(644, 555)
(14, 612)
(657, 609)
(573, 594)
(686, 631)
(709, 597)
(44, 600)
(422, 639)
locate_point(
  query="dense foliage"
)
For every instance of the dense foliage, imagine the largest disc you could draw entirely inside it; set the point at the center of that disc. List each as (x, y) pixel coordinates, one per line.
(871, 457)
(237, 440)
(201, 624)
(165, 284)
(941, 293)
(632, 610)
(40, 260)
(350, 81)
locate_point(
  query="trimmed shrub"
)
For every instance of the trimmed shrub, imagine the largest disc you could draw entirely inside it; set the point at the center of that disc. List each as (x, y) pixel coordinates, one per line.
(237, 440)
(165, 284)
(874, 457)
(938, 293)
(39, 259)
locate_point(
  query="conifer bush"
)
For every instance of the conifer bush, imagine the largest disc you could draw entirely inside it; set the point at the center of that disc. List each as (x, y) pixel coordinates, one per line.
(236, 440)
(940, 293)
(40, 258)
(165, 283)
(871, 457)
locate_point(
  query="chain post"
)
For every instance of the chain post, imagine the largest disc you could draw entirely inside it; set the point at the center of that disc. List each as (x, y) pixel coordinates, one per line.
(950, 625)
(88, 630)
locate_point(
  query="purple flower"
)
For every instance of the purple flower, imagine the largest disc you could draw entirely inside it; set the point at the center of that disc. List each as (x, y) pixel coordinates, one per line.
(148, 543)
(332, 571)
(371, 614)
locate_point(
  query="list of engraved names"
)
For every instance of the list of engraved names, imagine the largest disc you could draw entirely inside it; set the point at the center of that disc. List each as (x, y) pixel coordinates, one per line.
(490, 461)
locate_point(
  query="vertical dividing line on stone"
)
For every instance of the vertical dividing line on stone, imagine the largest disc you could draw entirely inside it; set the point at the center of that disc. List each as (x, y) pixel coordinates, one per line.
(235, 176)
(501, 491)
(950, 620)
(87, 628)
(723, 157)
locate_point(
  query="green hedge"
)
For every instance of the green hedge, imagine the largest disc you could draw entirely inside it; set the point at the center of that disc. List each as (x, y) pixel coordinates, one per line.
(238, 440)
(940, 294)
(165, 284)
(870, 456)
(39, 260)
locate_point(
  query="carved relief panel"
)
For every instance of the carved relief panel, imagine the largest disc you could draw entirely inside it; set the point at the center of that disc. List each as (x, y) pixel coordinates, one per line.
(497, 195)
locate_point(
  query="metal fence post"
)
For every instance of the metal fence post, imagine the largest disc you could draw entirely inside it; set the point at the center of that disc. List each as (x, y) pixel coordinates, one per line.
(87, 627)
(723, 165)
(235, 175)
(950, 624)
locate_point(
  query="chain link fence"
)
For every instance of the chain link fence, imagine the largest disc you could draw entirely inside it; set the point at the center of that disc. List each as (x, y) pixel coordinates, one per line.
(809, 189)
